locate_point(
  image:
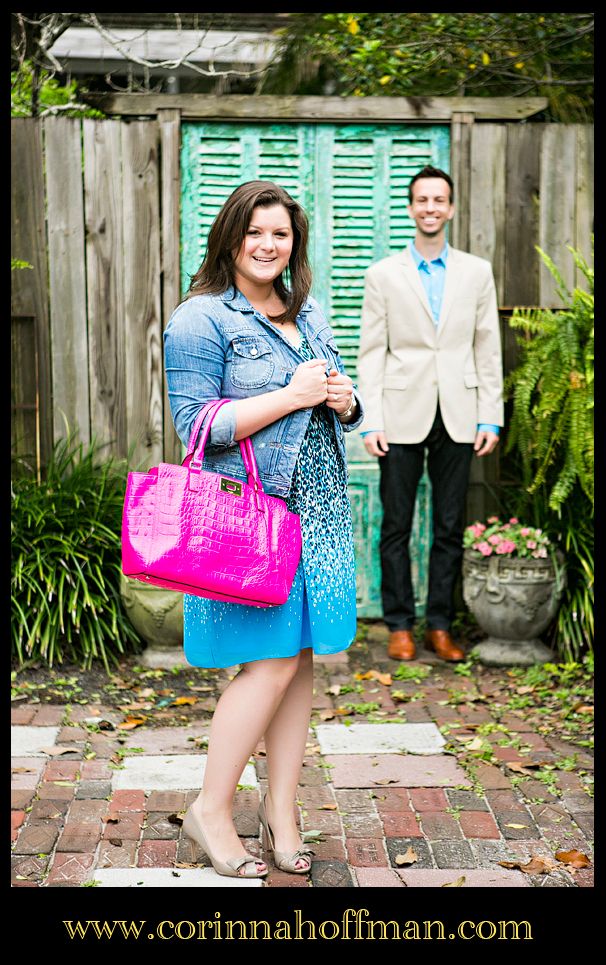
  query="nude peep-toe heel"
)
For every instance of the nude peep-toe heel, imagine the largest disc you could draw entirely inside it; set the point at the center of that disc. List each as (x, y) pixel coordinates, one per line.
(283, 860)
(231, 867)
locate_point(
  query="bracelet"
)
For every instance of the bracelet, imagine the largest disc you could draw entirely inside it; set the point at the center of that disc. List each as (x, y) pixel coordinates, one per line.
(348, 412)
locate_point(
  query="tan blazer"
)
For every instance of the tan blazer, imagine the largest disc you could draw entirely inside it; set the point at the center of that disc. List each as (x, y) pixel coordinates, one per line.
(406, 363)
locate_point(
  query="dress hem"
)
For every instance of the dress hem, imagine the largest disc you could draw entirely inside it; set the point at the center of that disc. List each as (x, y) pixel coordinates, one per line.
(270, 656)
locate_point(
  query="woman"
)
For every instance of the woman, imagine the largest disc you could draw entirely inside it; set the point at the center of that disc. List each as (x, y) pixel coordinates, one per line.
(242, 333)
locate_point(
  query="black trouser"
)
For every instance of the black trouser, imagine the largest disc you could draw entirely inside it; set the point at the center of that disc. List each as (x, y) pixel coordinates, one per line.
(448, 465)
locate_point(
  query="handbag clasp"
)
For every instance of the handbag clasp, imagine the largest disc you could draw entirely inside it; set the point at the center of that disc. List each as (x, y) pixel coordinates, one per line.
(231, 486)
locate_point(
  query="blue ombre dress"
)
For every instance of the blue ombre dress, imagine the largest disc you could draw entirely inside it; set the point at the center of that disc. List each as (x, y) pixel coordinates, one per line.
(321, 609)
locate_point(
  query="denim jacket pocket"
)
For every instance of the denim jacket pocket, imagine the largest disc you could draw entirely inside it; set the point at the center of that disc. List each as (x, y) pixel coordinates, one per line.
(250, 362)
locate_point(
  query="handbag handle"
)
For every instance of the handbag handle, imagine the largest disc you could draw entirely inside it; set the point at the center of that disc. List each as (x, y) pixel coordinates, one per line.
(246, 447)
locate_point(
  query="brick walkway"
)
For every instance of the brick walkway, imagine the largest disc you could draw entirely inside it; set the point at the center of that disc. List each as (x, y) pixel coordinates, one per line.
(391, 802)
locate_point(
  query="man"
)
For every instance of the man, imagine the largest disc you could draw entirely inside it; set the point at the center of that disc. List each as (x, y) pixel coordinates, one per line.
(430, 374)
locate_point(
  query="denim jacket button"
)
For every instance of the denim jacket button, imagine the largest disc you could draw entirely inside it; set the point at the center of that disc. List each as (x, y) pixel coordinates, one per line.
(253, 351)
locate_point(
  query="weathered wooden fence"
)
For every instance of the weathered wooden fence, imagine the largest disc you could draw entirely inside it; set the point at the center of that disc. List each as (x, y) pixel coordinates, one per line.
(96, 213)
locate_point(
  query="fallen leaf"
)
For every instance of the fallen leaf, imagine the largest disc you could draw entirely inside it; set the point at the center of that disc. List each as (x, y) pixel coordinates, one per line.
(22, 770)
(576, 859)
(167, 692)
(535, 866)
(455, 884)
(583, 709)
(147, 692)
(399, 696)
(117, 842)
(184, 700)
(131, 722)
(174, 819)
(409, 857)
(62, 783)
(201, 689)
(383, 678)
(327, 714)
(186, 864)
(343, 711)
(475, 744)
(516, 826)
(520, 768)
(526, 689)
(387, 780)
(328, 807)
(56, 751)
(111, 819)
(312, 751)
(334, 691)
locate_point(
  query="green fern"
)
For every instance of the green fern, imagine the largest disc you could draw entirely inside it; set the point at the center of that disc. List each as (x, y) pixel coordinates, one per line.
(552, 390)
(551, 441)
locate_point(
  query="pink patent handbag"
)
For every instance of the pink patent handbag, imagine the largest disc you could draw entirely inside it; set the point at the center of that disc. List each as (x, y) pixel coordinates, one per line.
(207, 534)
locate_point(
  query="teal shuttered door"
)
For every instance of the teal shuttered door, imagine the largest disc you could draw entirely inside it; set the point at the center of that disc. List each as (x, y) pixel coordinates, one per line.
(352, 181)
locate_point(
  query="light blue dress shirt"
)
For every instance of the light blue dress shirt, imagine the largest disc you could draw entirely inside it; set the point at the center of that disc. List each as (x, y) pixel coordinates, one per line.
(433, 277)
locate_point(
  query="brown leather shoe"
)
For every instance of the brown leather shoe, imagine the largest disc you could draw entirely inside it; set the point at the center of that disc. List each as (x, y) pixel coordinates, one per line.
(442, 643)
(401, 645)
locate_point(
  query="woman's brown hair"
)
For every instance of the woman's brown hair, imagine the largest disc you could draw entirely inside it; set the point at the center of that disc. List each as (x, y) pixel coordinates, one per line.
(217, 272)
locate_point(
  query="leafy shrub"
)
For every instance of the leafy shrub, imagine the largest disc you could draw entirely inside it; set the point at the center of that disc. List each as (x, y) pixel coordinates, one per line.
(66, 559)
(552, 439)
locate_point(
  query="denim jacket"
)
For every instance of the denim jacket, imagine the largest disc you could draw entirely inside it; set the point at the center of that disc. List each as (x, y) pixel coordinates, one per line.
(219, 346)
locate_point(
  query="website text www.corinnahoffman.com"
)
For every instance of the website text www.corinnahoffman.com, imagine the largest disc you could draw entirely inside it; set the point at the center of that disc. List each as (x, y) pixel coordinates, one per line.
(355, 924)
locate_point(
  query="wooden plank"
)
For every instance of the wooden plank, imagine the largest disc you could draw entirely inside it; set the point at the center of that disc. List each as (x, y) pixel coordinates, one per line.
(486, 239)
(28, 243)
(274, 108)
(487, 198)
(522, 213)
(142, 300)
(67, 281)
(584, 201)
(558, 199)
(460, 172)
(105, 289)
(170, 177)
(25, 435)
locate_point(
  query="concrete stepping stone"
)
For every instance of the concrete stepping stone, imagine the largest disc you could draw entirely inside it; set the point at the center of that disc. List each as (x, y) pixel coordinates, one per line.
(436, 877)
(170, 772)
(167, 878)
(379, 739)
(29, 741)
(395, 770)
(26, 772)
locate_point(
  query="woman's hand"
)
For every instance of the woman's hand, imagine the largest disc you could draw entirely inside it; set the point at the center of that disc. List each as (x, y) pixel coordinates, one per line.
(308, 386)
(340, 392)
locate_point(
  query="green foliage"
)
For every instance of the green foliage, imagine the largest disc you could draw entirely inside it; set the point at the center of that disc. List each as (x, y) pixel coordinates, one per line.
(66, 560)
(441, 54)
(552, 422)
(551, 440)
(29, 87)
(18, 263)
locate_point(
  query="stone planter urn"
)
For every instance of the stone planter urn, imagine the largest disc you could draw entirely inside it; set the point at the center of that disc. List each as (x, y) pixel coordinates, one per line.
(157, 615)
(514, 600)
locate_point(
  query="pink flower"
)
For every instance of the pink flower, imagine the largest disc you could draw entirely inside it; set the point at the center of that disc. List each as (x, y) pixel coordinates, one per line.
(542, 552)
(525, 531)
(514, 520)
(506, 526)
(507, 546)
(476, 530)
(494, 539)
(484, 549)
(531, 544)
(493, 519)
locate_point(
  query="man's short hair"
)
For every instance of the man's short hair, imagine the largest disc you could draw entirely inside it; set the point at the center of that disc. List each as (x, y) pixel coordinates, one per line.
(430, 172)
